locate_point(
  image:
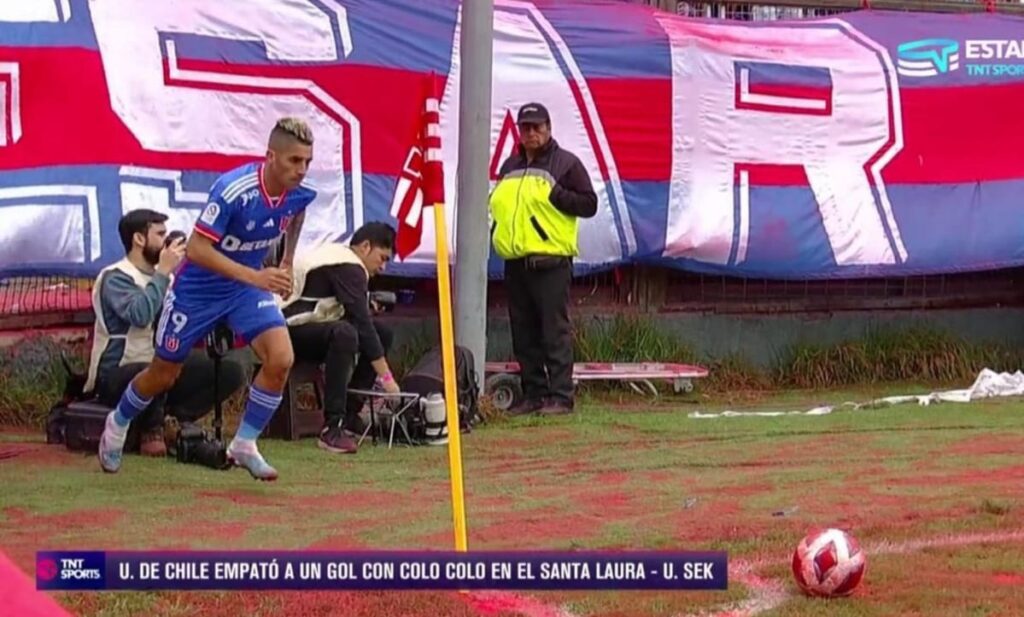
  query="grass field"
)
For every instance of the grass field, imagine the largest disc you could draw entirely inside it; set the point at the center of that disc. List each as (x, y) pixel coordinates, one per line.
(934, 494)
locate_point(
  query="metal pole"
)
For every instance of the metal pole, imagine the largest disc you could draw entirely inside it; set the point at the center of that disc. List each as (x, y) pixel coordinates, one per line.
(472, 240)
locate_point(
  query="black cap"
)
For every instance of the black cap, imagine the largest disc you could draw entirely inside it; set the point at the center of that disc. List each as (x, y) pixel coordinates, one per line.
(533, 113)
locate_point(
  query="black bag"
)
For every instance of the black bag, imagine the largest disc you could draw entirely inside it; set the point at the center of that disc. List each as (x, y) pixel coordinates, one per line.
(77, 421)
(427, 377)
(78, 425)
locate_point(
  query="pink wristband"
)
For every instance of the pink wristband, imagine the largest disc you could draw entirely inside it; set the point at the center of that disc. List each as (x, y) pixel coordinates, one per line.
(386, 377)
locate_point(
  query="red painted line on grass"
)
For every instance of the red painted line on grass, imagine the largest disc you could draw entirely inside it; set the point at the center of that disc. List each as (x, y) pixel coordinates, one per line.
(503, 602)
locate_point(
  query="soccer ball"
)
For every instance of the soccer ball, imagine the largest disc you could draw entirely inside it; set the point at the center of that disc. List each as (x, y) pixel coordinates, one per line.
(829, 564)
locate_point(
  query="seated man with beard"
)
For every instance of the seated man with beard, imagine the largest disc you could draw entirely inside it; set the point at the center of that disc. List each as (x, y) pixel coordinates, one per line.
(127, 298)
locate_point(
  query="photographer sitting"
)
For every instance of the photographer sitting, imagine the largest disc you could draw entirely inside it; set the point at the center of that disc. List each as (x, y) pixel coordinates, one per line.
(127, 297)
(329, 319)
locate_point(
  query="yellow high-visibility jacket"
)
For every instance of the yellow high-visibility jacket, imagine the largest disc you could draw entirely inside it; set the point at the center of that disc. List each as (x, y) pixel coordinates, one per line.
(536, 206)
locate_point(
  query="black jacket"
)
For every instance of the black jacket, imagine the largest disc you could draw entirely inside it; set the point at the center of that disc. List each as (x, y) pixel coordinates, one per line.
(347, 283)
(573, 192)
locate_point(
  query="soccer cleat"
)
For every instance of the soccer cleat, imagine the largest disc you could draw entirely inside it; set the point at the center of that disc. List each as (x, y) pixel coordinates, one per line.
(111, 445)
(252, 461)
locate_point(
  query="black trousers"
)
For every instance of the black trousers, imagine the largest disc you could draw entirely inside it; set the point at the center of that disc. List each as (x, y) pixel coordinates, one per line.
(336, 345)
(538, 310)
(188, 400)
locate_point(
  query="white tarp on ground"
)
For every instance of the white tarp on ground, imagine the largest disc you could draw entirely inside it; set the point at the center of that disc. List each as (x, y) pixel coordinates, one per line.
(988, 384)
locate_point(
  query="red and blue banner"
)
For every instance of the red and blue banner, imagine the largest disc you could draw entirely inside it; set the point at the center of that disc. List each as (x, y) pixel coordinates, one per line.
(864, 144)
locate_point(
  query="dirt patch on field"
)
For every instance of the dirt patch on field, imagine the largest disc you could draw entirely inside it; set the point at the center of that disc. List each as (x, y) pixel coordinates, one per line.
(987, 445)
(530, 440)
(719, 519)
(241, 497)
(23, 534)
(539, 528)
(306, 604)
(972, 479)
(1008, 578)
(38, 454)
(88, 518)
(201, 531)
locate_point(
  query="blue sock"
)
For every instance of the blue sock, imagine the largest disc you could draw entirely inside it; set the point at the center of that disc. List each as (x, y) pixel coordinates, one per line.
(130, 406)
(258, 411)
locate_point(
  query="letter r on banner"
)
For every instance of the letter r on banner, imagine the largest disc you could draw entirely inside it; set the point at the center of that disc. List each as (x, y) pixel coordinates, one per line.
(817, 96)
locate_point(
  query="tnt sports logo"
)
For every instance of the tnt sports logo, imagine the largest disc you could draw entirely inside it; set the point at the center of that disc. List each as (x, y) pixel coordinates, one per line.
(46, 569)
(71, 569)
(927, 57)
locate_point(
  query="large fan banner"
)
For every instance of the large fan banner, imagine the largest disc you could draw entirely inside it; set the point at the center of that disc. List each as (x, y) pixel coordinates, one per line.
(865, 144)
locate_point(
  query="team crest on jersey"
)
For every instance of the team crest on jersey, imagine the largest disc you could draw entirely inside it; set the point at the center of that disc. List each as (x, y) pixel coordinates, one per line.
(171, 343)
(209, 215)
(285, 220)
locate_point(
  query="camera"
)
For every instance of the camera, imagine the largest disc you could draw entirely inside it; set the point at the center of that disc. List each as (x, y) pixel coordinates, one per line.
(197, 447)
(385, 300)
(173, 237)
(194, 445)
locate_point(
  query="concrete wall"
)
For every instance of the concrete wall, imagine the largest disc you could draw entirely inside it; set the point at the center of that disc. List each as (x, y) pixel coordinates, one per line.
(759, 339)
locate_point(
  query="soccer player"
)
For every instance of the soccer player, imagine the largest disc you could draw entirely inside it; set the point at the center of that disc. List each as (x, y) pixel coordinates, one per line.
(221, 279)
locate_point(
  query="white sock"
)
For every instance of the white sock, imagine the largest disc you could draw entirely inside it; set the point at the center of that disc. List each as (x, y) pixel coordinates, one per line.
(117, 432)
(245, 445)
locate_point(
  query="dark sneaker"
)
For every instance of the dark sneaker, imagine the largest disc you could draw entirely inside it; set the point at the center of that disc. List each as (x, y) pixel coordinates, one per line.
(557, 407)
(525, 407)
(354, 425)
(337, 440)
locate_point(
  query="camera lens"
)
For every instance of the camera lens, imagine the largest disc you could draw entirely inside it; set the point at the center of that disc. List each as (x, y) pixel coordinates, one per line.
(173, 237)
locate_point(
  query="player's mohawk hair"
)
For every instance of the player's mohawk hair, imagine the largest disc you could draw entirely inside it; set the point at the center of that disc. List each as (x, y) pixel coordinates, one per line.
(294, 128)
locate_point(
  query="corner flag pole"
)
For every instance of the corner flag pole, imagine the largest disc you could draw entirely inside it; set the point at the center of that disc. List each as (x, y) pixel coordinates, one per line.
(432, 195)
(444, 297)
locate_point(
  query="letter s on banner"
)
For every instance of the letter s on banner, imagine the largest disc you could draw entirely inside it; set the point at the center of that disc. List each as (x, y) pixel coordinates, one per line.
(824, 98)
(36, 11)
(174, 103)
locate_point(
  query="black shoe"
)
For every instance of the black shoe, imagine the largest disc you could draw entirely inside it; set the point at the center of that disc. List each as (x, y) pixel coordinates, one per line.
(526, 407)
(557, 407)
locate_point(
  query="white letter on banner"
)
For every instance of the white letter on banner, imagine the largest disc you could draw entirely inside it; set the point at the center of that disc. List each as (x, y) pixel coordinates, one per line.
(173, 105)
(533, 63)
(71, 211)
(36, 11)
(732, 107)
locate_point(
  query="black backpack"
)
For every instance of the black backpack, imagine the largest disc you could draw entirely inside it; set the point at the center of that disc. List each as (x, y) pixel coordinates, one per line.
(427, 377)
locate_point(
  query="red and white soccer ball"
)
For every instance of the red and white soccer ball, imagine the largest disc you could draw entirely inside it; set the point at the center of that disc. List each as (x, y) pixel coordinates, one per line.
(829, 564)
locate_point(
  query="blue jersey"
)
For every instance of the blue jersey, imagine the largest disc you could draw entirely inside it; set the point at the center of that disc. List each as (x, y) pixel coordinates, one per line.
(243, 222)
